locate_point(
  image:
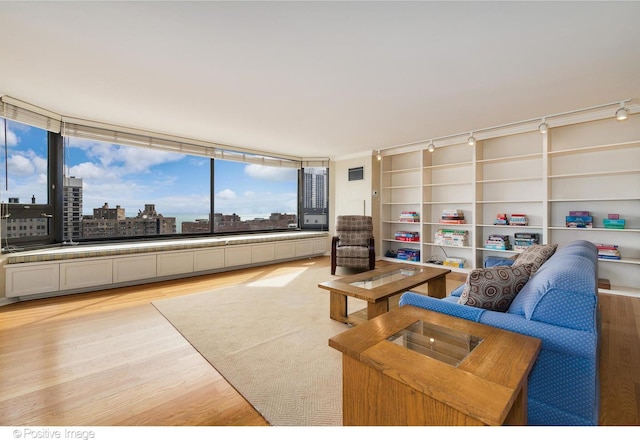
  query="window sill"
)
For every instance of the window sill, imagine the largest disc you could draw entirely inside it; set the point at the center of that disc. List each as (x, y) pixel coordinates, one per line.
(106, 250)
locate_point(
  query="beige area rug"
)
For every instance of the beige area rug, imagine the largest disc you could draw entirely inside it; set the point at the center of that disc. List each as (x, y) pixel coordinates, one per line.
(269, 339)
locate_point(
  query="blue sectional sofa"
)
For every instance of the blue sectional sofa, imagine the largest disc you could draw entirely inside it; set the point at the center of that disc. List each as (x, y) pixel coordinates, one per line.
(559, 305)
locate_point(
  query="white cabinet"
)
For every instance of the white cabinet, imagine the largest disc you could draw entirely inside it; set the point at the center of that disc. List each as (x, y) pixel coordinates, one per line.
(86, 273)
(139, 267)
(174, 263)
(32, 279)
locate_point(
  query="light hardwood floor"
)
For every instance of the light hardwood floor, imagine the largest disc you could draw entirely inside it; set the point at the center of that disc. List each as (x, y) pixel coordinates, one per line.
(109, 358)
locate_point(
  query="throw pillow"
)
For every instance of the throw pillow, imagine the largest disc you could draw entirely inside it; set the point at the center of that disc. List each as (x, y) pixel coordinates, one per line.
(536, 255)
(494, 288)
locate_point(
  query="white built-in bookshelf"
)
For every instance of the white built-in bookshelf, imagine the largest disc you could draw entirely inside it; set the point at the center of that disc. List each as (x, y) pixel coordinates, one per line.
(589, 166)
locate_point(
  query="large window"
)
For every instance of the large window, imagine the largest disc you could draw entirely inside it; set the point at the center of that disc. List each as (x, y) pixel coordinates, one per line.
(26, 210)
(254, 197)
(115, 191)
(68, 181)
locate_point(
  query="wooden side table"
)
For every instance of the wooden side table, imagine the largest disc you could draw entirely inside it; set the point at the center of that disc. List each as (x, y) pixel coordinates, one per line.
(412, 366)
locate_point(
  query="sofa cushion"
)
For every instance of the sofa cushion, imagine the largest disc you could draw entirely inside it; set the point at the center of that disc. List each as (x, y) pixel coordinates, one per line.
(562, 292)
(494, 288)
(536, 255)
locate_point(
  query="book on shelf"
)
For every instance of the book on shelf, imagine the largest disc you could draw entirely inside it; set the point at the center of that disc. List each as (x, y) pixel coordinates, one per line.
(409, 217)
(407, 236)
(579, 213)
(452, 221)
(606, 246)
(609, 257)
(518, 220)
(613, 223)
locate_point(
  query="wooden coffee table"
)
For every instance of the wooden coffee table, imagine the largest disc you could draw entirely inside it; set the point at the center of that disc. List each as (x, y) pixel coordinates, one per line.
(377, 286)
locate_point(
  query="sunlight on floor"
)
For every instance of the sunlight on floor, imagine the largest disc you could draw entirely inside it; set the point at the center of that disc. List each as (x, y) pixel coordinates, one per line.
(279, 278)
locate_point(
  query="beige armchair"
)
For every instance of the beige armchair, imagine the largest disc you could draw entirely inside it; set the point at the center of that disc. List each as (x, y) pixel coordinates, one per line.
(353, 244)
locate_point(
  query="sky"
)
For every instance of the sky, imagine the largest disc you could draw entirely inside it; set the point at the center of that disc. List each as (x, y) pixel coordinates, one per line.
(131, 177)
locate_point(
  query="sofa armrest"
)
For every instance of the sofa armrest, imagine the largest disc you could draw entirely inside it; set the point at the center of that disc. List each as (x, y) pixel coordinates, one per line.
(561, 339)
(437, 305)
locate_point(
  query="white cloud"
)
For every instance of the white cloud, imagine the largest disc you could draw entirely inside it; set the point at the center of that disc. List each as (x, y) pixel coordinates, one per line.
(12, 139)
(226, 194)
(276, 174)
(21, 165)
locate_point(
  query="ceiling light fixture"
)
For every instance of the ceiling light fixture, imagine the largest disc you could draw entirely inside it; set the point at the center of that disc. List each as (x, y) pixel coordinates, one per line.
(622, 113)
(543, 127)
(431, 147)
(379, 156)
(471, 140)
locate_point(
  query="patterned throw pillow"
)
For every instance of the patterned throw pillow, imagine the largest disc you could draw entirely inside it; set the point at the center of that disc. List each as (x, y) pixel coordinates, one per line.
(536, 254)
(494, 288)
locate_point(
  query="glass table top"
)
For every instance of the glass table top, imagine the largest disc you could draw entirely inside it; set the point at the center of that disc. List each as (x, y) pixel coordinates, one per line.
(437, 342)
(386, 278)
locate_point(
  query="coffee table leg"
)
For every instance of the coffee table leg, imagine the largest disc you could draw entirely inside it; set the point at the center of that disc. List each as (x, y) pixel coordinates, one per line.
(378, 308)
(437, 287)
(338, 307)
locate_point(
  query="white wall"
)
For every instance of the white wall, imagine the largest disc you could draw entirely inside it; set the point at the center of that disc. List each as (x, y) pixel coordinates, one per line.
(352, 197)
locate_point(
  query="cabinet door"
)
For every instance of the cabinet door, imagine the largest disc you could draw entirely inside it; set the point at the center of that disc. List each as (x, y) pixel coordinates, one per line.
(174, 263)
(208, 259)
(85, 273)
(134, 268)
(262, 252)
(320, 246)
(237, 256)
(285, 250)
(32, 279)
(304, 247)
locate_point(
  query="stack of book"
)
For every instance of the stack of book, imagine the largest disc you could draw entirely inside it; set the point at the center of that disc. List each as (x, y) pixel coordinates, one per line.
(451, 237)
(498, 242)
(613, 221)
(608, 252)
(518, 220)
(452, 216)
(408, 254)
(409, 217)
(501, 219)
(522, 240)
(407, 236)
(579, 219)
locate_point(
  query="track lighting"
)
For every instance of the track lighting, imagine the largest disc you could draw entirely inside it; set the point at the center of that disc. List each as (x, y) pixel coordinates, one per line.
(471, 140)
(622, 112)
(431, 147)
(379, 156)
(543, 127)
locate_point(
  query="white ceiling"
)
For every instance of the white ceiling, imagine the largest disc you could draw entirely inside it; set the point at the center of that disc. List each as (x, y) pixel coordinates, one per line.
(318, 78)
